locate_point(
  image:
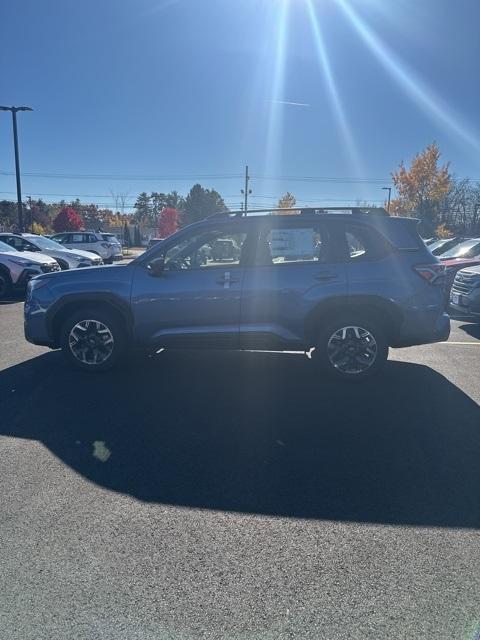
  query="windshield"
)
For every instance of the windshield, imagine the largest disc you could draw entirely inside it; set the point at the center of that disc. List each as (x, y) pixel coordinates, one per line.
(437, 244)
(6, 247)
(45, 243)
(470, 248)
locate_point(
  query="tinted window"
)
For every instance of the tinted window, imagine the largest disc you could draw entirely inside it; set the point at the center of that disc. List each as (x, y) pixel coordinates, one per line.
(356, 244)
(213, 248)
(291, 243)
(77, 237)
(363, 243)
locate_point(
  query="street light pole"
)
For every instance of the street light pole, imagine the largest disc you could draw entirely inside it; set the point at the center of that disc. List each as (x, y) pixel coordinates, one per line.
(17, 161)
(389, 189)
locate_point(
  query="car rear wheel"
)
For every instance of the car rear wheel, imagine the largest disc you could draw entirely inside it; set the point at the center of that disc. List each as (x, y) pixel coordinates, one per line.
(93, 340)
(351, 347)
(5, 284)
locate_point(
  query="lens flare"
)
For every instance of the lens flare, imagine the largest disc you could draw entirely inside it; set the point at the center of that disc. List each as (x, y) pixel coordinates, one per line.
(417, 90)
(333, 94)
(275, 118)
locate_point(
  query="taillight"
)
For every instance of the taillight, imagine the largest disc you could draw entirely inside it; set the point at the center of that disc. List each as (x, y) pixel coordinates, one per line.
(432, 273)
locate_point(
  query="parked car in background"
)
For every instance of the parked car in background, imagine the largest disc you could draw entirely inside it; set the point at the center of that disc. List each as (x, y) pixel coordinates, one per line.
(66, 258)
(467, 249)
(115, 242)
(439, 247)
(17, 268)
(465, 254)
(89, 241)
(373, 285)
(465, 292)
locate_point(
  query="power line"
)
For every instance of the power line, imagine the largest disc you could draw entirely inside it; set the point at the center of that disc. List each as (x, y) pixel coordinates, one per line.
(183, 177)
(99, 176)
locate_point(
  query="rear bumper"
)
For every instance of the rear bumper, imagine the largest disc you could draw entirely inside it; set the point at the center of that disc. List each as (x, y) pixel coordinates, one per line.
(423, 328)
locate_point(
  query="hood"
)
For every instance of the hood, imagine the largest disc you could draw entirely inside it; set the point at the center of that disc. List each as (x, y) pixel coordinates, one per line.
(29, 256)
(103, 273)
(474, 269)
(80, 253)
(459, 263)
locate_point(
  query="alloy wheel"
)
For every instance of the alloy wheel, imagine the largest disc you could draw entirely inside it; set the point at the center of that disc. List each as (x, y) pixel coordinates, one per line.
(91, 342)
(352, 350)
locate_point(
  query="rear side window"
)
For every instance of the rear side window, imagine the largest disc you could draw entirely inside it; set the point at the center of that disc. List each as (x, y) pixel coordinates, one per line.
(363, 243)
(77, 238)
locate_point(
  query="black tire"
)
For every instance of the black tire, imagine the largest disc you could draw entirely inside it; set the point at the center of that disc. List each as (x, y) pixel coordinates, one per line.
(94, 322)
(63, 265)
(108, 260)
(332, 351)
(5, 284)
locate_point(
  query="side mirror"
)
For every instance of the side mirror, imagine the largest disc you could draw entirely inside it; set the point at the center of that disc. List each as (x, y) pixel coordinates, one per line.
(156, 267)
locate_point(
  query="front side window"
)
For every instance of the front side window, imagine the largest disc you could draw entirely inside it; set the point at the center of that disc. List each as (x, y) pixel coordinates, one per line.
(77, 238)
(292, 244)
(213, 248)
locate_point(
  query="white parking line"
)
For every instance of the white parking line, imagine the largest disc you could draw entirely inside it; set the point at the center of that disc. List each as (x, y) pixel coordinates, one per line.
(466, 342)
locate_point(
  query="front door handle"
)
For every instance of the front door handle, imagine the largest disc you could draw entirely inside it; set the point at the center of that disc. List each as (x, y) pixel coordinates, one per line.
(325, 276)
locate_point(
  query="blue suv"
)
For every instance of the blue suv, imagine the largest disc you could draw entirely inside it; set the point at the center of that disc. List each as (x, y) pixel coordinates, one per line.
(343, 285)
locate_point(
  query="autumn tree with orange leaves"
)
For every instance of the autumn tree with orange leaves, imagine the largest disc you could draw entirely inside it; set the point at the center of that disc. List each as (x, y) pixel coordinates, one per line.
(422, 188)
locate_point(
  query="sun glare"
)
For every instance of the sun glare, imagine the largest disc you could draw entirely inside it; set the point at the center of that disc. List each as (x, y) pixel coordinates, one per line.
(416, 89)
(332, 90)
(274, 130)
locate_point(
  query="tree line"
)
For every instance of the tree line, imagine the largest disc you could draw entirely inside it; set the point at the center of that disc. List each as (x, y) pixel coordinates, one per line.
(445, 205)
(163, 212)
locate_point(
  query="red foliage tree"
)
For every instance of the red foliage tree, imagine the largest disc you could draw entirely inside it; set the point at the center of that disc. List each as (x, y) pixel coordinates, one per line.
(67, 220)
(168, 222)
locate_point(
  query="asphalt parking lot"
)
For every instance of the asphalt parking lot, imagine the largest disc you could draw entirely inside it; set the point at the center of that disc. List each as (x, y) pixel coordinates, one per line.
(238, 495)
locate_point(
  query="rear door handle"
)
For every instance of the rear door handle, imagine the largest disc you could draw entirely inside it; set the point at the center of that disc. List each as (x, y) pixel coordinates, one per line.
(325, 276)
(227, 280)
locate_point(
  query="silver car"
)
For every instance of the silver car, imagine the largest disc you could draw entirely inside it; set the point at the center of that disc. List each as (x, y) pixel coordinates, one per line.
(16, 269)
(66, 258)
(90, 241)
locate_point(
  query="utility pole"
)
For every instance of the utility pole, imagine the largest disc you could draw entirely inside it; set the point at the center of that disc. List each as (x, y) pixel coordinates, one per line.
(246, 192)
(389, 189)
(17, 160)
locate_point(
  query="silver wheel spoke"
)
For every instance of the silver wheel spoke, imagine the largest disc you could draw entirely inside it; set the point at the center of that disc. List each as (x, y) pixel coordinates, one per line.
(91, 342)
(352, 349)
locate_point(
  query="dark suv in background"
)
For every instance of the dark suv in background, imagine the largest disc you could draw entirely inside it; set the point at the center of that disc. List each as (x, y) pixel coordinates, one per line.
(347, 284)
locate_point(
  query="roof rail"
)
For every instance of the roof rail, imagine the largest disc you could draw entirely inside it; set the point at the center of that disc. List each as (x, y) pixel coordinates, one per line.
(304, 211)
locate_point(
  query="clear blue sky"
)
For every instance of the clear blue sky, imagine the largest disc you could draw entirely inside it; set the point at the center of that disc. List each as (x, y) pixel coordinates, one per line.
(196, 88)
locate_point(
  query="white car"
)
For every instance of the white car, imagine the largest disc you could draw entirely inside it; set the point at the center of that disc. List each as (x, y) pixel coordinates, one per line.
(89, 241)
(17, 268)
(66, 258)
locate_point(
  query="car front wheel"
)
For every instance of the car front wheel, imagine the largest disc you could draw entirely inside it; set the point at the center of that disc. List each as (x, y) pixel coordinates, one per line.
(351, 347)
(93, 340)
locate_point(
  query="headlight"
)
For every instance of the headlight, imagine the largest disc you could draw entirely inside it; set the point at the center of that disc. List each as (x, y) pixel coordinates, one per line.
(23, 262)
